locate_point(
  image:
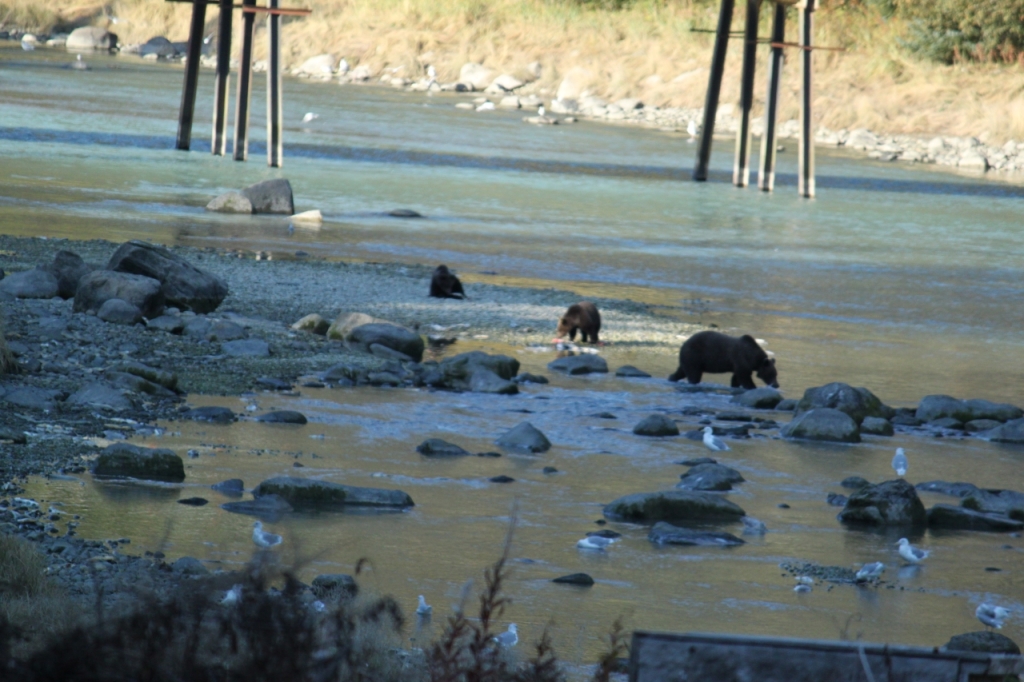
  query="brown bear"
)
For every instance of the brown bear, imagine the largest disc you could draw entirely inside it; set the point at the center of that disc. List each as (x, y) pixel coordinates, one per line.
(582, 316)
(444, 284)
(713, 353)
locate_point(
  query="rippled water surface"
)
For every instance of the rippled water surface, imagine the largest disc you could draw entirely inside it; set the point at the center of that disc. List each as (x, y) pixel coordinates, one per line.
(903, 280)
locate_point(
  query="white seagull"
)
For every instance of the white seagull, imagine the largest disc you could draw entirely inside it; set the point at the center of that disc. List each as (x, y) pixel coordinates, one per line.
(899, 462)
(595, 543)
(992, 615)
(319, 606)
(540, 111)
(28, 42)
(910, 553)
(432, 73)
(486, 106)
(424, 609)
(712, 442)
(691, 128)
(310, 116)
(870, 571)
(79, 65)
(802, 588)
(262, 538)
(510, 638)
(232, 596)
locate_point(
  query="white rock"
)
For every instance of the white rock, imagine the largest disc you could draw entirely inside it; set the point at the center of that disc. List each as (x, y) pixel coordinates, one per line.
(510, 102)
(574, 83)
(972, 160)
(465, 105)
(320, 65)
(911, 155)
(308, 218)
(90, 38)
(564, 106)
(361, 73)
(862, 138)
(476, 75)
(936, 146)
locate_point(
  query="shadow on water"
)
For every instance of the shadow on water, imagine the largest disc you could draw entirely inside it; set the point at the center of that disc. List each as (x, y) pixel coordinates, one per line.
(497, 163)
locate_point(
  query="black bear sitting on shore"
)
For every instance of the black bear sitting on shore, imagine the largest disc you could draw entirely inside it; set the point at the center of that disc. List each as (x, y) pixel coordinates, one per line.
(714, 353)
(582, 316)
(444, 284)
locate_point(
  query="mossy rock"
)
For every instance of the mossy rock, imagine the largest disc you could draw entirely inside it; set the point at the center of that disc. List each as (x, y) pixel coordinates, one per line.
(310, 494)
(673, 505)
(125, 459)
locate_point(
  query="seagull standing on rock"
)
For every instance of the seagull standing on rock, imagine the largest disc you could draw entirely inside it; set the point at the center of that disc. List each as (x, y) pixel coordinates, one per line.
(424, 609)
(991, 615)
(899, 462)
(712, 442)
(910, 553)
(510, 638)
(262, 538)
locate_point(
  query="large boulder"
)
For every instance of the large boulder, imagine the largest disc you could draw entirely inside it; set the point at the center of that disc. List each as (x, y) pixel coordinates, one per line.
(667, 534)
(158, 45)
(1010, 432)
(573, 84)
(763, 398)
(125, 459)
(100, 286)
(34, 283)
(934, 407)
(459, 369)
(656, 425)
(391, 336)
(586, 363)
(271, 196)
(950, 516)
(1008, 502)
(823, 423)
(69, 269)
(116, 311)
(709, 476)
(91, 38)
(308, 493)
(856, 402)
(476, 76)
(673, 505)
(182, 284)
(891, 503)
(524, 437)
(321, 65)
(230, 202)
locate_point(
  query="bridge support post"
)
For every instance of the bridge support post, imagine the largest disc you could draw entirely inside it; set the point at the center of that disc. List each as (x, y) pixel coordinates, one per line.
(218, 141)
(806, 171)
(275, 145)
(700, 172)
(188, 89)
(741, 168)
(766, 175)
(242, 101)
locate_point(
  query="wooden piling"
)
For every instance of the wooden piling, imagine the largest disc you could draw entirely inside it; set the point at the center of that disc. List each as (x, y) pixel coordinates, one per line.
(188, 90)
(275, 145)
(700, 172)
(241, 147)
(218, 141)
(741, 168)
(806, 170)
(766, 175)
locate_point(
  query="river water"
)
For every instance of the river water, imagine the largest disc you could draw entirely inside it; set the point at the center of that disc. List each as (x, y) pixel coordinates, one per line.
(906, 281)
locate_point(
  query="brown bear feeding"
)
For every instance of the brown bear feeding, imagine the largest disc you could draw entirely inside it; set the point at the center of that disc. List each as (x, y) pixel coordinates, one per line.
(444, 284)
(714, 353)
(582, 316)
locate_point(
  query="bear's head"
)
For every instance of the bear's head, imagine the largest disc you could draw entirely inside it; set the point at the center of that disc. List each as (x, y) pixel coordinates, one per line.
(767, 373)
(565, 325)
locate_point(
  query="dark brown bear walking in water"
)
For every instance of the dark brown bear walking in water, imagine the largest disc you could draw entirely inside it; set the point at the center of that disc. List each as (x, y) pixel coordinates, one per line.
(582, 316)
(714, 353)
(444, 284)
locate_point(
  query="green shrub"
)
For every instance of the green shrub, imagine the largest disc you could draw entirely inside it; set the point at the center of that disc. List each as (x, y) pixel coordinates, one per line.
(949, 31)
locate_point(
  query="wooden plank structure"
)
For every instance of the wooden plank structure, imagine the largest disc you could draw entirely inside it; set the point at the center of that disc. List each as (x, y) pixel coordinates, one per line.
(218, 142)
(659, 657)
(741, 166)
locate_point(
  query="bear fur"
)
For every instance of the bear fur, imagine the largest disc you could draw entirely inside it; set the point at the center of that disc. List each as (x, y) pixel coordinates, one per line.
(444, 284)
(714, 353)
(582, 316)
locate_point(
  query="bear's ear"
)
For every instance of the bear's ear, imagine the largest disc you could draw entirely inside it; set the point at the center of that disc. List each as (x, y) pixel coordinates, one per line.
(767, 362)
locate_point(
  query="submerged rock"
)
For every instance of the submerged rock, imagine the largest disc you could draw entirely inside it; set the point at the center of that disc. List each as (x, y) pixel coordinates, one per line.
(629, 371)
(581, 579)
(711, 476)
(210, 413)
(282, 417)
(656, 425)
(673, 505)
(892, 503)
(308, 493)
(667, 534)
(435, 447)
(587, 363)
(125, 459)
(934, 407)
(265, 507)
(949, 516)
(825, 424)
(524, 437)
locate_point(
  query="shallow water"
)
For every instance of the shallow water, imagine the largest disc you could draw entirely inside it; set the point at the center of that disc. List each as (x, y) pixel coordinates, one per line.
(907, 281)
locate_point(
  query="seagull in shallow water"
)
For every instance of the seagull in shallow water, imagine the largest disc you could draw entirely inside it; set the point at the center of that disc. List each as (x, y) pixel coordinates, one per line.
(910, 553)
(79, 65)
(510, 638)
(540, 111)
(595, 543)
(992, 615)
(870, 571)
(899, 462)
(691, 128)
(712, 442)
(486, 106)
(232, 596)
(310, 116)
(424, 609)
(28, 43)
(262, 538)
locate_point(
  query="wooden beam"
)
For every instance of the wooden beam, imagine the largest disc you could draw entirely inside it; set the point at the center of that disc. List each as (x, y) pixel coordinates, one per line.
(700, 172)
(188, 89)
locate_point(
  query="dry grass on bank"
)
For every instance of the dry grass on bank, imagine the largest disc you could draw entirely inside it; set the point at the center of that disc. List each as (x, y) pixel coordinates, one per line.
(646, 50)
